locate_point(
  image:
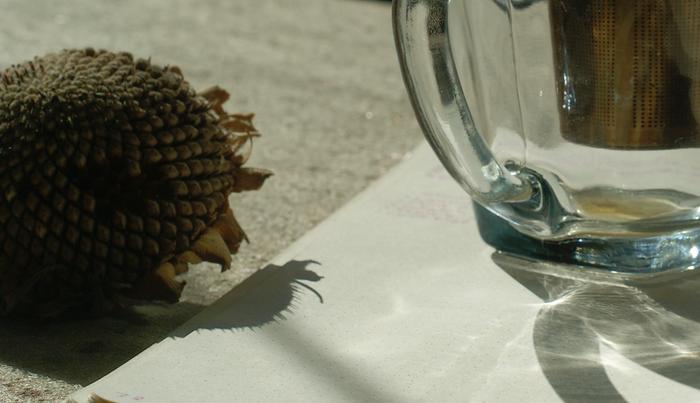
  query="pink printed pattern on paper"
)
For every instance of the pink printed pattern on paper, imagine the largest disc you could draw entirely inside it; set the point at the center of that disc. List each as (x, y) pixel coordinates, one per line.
(439, 172)
(431, 206)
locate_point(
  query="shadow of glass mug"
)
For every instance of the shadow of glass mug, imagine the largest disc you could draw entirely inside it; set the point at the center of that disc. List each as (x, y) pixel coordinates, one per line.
(573, 124)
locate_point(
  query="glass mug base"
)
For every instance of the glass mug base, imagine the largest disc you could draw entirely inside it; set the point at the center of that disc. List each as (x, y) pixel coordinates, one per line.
(671, 252)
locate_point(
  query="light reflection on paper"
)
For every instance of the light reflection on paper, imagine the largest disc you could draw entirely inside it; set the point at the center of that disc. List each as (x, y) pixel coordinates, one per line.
(654, 326)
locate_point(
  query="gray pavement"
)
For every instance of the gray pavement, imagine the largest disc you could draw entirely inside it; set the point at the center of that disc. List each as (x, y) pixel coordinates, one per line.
(322, 77)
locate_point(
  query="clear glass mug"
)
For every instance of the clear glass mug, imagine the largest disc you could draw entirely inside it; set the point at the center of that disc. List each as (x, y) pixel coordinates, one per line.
(573, 124)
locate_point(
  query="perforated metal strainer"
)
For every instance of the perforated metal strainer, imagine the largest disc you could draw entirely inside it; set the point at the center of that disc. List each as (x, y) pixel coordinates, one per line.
(623, 71)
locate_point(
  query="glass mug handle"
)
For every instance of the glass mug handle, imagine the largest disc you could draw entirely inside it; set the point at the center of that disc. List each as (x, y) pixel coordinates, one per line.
(427, 64)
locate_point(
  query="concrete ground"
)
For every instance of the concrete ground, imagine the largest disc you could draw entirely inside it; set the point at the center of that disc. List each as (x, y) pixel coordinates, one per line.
(323, 79)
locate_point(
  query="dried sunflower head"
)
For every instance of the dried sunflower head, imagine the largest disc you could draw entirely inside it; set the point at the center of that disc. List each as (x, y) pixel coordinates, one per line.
(114, 174)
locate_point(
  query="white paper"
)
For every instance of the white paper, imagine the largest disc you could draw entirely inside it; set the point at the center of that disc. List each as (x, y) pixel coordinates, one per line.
(413, 309)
